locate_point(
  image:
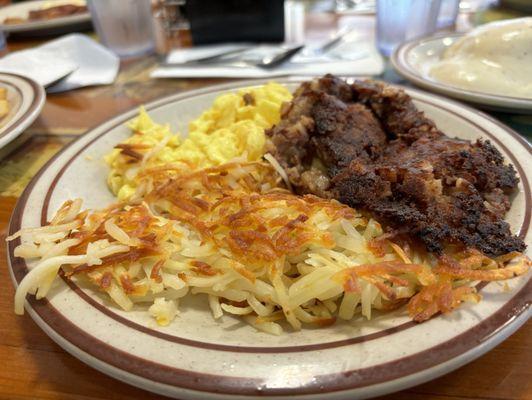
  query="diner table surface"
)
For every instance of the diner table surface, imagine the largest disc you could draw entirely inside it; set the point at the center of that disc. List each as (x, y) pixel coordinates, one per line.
(34, 367)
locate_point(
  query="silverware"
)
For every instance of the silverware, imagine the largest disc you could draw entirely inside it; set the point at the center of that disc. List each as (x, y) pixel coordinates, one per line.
(267, 62)
(337, 38)
(272, 62)
(212, 58)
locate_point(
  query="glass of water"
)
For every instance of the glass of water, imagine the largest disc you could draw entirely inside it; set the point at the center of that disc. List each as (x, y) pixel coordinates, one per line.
(448, 13)
(3, 44)
(124, 26)
(402, 20)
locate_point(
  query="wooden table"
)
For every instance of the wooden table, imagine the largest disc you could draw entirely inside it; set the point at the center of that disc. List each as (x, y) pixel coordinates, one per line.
(34, 367)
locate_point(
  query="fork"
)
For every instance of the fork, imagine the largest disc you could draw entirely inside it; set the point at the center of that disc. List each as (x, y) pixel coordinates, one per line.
(267, 62)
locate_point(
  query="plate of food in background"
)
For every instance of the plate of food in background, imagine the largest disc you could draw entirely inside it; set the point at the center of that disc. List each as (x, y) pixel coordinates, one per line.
(21, 101)
(488, 66)
(319, 238)
(45, 17)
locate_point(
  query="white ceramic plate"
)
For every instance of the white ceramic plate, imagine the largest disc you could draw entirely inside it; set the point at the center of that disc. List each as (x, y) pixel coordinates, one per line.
(26, 99)
(66, 24)
(198, 358)
(414, 59)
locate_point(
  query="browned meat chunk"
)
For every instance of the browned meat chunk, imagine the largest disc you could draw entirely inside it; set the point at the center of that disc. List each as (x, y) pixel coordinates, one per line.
(345, 132)
(367, 145)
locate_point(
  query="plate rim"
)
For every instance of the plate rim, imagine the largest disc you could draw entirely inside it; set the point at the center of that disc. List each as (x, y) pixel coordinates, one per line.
(489, 342)
(406, 70)
(44, 24)
(16, 126)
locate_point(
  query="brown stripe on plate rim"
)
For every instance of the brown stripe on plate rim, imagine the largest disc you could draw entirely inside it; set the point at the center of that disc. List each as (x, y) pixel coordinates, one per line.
(38, 95)
(258, 349)
(446, 351)
(8, 128)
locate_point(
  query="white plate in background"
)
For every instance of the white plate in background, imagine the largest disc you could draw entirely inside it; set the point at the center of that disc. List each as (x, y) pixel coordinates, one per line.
(26, 99)
(65, 24)
(414, 59)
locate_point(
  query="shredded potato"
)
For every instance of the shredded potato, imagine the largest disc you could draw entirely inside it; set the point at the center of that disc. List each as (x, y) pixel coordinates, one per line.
(255, 250)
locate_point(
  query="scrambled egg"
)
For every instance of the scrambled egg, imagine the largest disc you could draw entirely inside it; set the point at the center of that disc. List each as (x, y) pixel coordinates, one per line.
(233, 127)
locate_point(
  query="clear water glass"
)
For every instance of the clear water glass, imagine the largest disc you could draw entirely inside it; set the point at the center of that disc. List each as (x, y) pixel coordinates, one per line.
(124, 26)
(3, 43)
(402, 20)
(448, 13)
(294, 21)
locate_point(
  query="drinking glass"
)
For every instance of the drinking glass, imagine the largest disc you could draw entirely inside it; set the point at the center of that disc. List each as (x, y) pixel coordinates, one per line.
(124, 26)
(171, 26)
(294, 21)
(448, 12)
(3, 43)
(402, 20)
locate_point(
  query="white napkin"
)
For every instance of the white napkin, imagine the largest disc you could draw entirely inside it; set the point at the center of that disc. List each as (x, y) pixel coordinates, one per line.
(354, 55)
(32, 64)
(77, 58)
